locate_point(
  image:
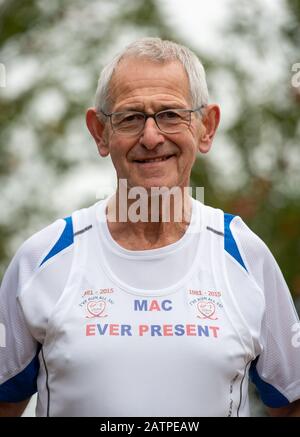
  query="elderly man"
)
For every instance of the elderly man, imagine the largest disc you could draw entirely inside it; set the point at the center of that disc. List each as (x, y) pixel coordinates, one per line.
(156, 306)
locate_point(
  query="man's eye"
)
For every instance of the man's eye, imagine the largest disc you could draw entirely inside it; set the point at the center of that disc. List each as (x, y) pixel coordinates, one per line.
(169, 115)
(130, 118)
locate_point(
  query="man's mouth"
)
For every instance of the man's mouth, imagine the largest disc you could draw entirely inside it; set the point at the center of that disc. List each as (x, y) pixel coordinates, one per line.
(149, 160)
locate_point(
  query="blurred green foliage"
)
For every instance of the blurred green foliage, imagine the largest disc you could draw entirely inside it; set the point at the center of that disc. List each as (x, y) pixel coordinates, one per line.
(267, 127)
(57, 49)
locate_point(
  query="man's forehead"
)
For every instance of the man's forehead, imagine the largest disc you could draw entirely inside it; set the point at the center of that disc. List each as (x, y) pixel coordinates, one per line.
(146, 68)
(139, 76)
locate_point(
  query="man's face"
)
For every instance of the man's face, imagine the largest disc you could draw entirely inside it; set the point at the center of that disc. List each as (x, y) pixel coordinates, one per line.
(142, 85)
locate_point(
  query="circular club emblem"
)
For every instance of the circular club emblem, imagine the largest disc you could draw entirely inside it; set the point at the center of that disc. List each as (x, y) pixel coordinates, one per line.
(96, 309)
(207, 310)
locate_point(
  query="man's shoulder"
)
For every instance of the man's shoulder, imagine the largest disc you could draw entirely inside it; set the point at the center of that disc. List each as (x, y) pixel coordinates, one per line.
(252, 252)
(234, 224)
(240, 241)
(50, 243)
(40, 249)
(39, 245)
(244, 235)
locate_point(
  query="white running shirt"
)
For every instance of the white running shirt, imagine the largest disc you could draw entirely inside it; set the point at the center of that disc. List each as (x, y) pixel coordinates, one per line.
(99, 330)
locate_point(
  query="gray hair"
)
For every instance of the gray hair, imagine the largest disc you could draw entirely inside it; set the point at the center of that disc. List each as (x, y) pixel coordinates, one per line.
(157, 50)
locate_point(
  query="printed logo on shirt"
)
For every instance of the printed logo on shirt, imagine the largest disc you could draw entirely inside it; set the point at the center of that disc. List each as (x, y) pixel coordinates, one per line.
(152, 305)
(96, 309)
(207, 310)
(207, 293)
(145, 330)
(205, 306)
(206, 303)
(99, 291)
(96, 302)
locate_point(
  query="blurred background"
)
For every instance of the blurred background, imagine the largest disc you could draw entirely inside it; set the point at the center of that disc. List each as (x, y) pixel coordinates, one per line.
(51, 54)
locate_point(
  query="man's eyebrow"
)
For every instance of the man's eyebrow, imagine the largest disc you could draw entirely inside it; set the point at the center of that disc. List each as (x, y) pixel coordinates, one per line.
(161, 107)
(165, 106)
(129, 108)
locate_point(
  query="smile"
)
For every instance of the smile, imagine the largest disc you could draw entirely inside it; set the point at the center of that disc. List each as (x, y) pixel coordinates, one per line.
(149, 161)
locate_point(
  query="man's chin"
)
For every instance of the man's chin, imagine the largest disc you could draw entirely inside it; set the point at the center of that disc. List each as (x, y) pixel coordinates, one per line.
(155, 188)
(152, 187)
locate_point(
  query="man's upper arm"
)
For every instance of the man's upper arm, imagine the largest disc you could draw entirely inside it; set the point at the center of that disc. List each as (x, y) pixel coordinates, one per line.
(276, 370)
(29, 290)
(19, 350)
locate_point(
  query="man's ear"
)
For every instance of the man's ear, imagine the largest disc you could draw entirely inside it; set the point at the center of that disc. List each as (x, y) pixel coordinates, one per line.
(97, 130)
(210, 123)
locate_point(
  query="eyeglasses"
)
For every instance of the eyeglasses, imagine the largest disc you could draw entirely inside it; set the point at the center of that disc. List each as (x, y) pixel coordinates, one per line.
(169, 121)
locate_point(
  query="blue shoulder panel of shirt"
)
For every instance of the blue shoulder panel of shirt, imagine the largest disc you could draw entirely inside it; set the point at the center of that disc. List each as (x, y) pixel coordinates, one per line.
(229, 242)
(23, 385)
(64, 241)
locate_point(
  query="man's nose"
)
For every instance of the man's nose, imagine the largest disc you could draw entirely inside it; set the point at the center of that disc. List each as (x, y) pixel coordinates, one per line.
(151, 135)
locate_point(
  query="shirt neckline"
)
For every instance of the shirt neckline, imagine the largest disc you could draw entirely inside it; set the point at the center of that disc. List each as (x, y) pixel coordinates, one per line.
(146, 253)
(105, 241)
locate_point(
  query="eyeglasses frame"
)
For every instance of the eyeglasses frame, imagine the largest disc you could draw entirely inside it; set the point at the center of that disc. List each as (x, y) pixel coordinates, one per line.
(148, 115)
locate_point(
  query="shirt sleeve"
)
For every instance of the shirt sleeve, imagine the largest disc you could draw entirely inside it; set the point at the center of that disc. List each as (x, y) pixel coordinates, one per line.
(20, 344)
(18, 349)
(276, 370)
